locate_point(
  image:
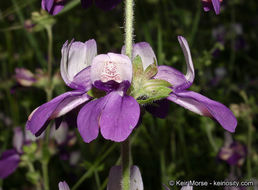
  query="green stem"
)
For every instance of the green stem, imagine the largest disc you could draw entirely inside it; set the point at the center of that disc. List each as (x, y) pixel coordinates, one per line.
(46, 155)
(45, 174)
(125, 154)
(125, 146)
(50, 50)
(129, 27)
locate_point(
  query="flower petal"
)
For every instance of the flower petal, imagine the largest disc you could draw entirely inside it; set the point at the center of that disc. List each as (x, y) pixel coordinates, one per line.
(107, 4)
(82, 80)
(216, 6)
(77, 56)
(204, 106)
(63, 186)
(88, 119)
(174, 77)
(54, 108)
(178, 81)
(18, 139)
(115, 176)
(52, 7)
(119, 117)
(188, 58)
(111, 66)
(144, 50)
(9, 162)
(206, 5)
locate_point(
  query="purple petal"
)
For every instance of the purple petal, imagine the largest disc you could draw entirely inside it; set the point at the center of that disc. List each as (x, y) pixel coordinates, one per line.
(204, 106)
(119, 117)
(63, 186)
(107, 4)
(115, 177)
(88, 119)
(76, 57)
(174, 77)
(54, 108)
(9, 162)
(206, 6)
(178, 81)
(18, 139)
(82, 80)
(24, 77)
(52, 6)
(111, 66)
(216, 6)
(86, 3)
(144, 50)
(188, 58)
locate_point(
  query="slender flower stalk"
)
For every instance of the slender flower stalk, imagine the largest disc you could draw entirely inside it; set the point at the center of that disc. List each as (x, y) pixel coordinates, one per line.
(45, 161)
(125, 146)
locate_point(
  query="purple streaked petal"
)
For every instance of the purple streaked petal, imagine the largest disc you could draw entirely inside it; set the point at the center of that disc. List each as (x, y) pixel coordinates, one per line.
(144, 50)
(54, 108)
(18, 139)
(115, 176)
(76, 57)
(188, 58)
(9, 162)
(204, 106)
(88, 119)
(119, 117)
(86, 3)
(216, 6)
(63, 186)
(107, 4)
(111, 66)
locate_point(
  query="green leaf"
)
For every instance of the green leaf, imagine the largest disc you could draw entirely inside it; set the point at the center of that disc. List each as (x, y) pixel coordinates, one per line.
(151, 70)
(137, 67)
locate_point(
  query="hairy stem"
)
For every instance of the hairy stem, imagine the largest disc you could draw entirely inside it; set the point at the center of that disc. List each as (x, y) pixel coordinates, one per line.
(125, 154)
(129, 27)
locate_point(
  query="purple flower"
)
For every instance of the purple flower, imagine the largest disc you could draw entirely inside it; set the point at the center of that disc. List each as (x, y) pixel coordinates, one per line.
(190, 100)
(55, 6)
(63, 186)
(234, 154)
(10, 159)
(107, 80)
(115, 114)
(211, 5)
(76, 57)
(24, 77)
